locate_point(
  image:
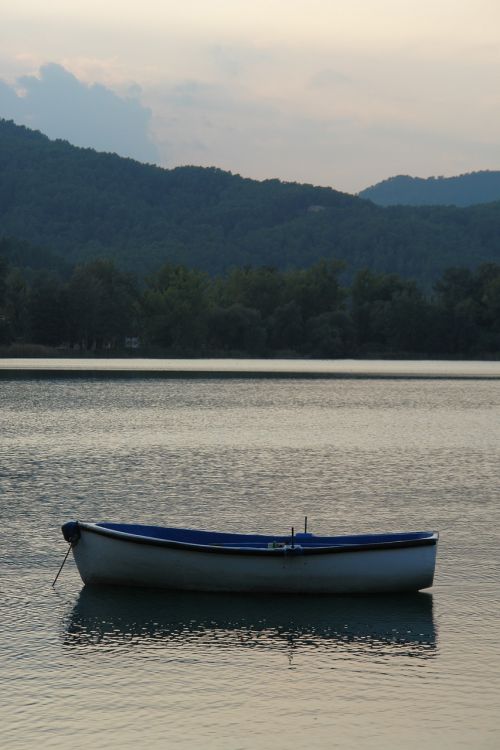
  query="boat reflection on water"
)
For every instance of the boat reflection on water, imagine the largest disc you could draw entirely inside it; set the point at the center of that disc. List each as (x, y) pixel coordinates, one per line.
(116, 617)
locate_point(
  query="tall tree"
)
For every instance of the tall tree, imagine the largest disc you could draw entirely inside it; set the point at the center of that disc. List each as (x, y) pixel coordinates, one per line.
(103, 306)
(389, 313)
(47, 311)
(175, 307)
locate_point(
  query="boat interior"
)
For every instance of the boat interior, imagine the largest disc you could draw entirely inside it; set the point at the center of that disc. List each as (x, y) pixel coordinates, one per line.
(259, 541)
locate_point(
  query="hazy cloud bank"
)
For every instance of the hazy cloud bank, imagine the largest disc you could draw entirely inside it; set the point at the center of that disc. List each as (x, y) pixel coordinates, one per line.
(61, 106)
(326, 91)
(312, 129)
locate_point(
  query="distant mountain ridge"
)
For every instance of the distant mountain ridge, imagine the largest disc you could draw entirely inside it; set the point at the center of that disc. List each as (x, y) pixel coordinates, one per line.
(80, 204)
(467, 189)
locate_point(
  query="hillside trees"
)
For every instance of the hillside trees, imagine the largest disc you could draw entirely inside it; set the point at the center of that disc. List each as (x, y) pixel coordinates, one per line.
(175, 307)
(468, 308)
(47, 310)
(253, 311)
(102, 306)
(4, 330)
(15, 307)
(95, 309)
(389, 313)
(85, 205)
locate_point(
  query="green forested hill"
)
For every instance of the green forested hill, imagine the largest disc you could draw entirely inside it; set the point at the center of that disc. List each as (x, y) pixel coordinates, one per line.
(21, 254)
(462, 190)
(81, 204)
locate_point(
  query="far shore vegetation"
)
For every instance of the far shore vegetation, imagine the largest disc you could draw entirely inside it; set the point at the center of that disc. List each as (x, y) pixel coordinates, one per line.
(99, 310)
(104, 256)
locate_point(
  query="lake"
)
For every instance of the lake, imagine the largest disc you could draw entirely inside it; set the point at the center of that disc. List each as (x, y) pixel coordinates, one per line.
(394, 446)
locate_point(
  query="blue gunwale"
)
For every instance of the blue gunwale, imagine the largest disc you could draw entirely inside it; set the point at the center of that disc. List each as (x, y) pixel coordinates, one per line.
(257, 544)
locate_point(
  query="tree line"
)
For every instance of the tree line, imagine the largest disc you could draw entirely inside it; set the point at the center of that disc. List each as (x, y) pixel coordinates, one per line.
(252, 311)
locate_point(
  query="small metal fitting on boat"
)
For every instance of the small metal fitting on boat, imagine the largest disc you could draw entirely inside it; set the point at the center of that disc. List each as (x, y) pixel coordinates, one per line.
(292, 549)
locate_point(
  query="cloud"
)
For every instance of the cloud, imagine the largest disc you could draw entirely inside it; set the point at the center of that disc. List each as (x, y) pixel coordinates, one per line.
(10, 103)
(234, 128)
(61, 106)
(235, 61)
(328, 78)
(201, 97)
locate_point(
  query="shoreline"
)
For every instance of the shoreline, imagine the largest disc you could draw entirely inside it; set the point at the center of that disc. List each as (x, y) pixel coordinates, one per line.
(249, 368)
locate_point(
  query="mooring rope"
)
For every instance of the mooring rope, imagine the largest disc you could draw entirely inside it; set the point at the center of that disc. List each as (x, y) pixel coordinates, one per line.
(62, 564)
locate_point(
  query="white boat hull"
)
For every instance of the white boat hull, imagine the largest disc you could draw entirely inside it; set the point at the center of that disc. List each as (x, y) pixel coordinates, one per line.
(106, 559)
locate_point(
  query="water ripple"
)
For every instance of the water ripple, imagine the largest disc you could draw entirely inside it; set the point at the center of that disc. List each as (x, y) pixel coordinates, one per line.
(117, 669)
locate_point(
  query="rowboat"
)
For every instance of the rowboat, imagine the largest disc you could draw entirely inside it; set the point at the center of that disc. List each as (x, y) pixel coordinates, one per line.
(193, 560)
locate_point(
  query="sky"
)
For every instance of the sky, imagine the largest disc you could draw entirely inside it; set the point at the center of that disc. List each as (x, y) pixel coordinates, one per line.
(342, 93)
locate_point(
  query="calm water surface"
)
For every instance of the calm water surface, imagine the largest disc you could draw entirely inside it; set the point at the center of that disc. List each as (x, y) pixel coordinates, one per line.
(117, 669)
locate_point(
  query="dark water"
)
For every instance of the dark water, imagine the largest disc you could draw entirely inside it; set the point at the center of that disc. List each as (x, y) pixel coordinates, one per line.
(119, 669)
